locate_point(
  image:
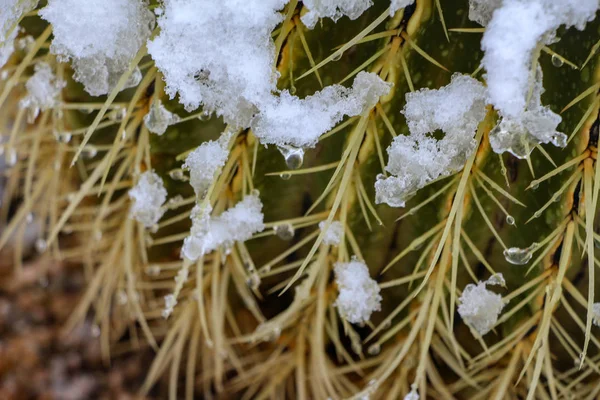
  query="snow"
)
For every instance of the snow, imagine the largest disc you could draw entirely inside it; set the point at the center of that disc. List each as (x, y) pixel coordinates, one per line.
(205, 161)
(397, 5)
(334, 9)
(481, 11)
(289, 120)
(200, 50)
(511, 38)
(596, 314)
(537, 124)
(358, 294)
(333, 234)
(417, 159)
(412, 395)
(100, 38)
(11, 12)
(480, 307)
(148, 195)
(43, 89)
(159, 118)
(238, 223)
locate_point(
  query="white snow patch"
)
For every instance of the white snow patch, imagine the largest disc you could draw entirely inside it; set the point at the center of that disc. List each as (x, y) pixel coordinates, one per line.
(238, 223)
(358, 294)
(289, 120)
(537, 124)
(201, 47)
(43, 89)
(204, 162)
(398, 4)
(333, 234)
(148, 195)
(511, 37)
(11, 12)
(417, 159)
(334, 9)
(99, 37)
(480, 307)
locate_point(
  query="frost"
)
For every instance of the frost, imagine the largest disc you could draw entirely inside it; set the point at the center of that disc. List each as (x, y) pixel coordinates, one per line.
(481, 11)
(238, 223)
(417, 159)
(289, 120)
(333, 234)
(149, 195)
(480, 307)
(511, 38)
(537, 124)
(596, 314)
(43, 89)
(11, 12)
(358, 294)
(100, 38)
(200, 50)
(334, 9)
(159, 118)
(398, 4)
(204, 162)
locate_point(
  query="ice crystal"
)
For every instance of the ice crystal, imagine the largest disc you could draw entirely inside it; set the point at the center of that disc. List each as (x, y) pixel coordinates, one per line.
(11, 12)
(334, 9)
(417, 159)
(43, 89)
(100, 38)
(205, 161)
(480, 307)
(358, 294)
(333, 234)
(159, 118)
(148, 195)
(289, 120)
(209, 71)
(596, 314)
(238, 223)
(513, 34)
(537, 124)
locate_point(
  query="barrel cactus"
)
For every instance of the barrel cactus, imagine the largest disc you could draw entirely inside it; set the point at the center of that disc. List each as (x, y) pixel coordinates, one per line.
(315, 199)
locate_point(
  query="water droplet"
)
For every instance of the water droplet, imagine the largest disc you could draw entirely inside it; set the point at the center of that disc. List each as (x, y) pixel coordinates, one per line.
(29, 218)
(510, 220)
(89, 152)
(557, 61)
(374, 349)
(518, 256)
(285, 177)
(153, 270)
(293, 89)
(535, 185)
(177, 174)
(63, 137)
(204, 115)
(295, 159)
(537, 214)
(284, 231)
(40, 245)
(337, 56)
